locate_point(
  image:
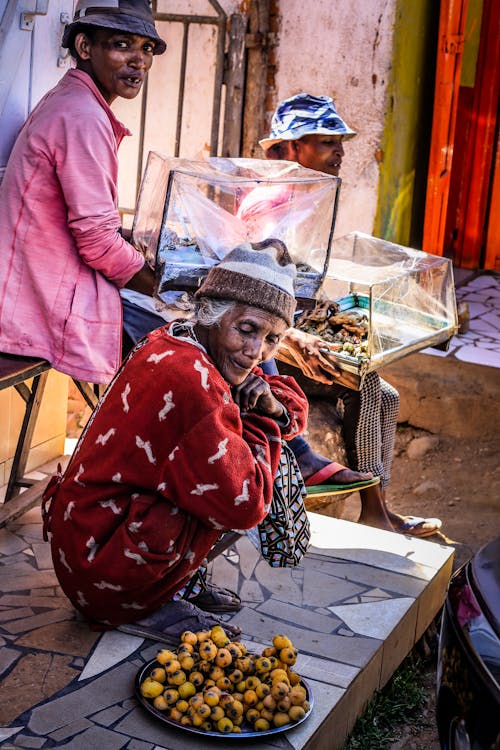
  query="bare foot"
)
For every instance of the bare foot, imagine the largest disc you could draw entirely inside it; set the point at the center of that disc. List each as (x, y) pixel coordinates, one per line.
(373, 509)
(311, 462)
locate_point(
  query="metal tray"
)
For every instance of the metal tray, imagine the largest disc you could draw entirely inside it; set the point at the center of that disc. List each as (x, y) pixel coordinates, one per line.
(244, 734)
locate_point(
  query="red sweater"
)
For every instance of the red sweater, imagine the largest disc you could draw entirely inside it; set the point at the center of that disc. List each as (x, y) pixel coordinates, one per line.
(165, 464)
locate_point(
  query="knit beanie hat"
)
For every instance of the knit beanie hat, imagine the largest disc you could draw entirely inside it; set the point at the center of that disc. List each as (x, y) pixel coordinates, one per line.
(259, 274)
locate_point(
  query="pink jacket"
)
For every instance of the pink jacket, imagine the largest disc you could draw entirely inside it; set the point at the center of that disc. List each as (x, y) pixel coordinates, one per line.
(62, 259)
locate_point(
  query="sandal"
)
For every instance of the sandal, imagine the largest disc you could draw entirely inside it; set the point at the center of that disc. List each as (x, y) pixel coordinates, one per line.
(419, 527)
(216, 599)
(340, 489)
(168, 623)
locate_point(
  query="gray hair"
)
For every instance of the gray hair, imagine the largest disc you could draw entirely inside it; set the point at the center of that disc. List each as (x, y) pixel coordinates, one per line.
(209, 311)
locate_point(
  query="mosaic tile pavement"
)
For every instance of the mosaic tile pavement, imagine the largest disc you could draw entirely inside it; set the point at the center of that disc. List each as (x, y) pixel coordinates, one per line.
(481, 343)
(355, 607)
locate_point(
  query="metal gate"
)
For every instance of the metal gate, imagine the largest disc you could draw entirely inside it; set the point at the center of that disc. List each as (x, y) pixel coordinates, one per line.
(191, 103)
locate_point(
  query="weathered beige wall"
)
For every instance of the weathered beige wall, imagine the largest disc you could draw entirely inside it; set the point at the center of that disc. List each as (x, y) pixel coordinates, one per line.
(343, 50)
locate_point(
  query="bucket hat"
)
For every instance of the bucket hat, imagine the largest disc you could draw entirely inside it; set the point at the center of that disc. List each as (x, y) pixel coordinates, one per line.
(305, 114)
(131, 16)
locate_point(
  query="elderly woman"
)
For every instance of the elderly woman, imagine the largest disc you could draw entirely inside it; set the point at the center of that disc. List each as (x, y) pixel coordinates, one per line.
(184, 444)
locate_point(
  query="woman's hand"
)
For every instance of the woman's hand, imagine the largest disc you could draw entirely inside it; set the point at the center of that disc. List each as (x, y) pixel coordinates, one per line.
(254, 394)
(303, 350)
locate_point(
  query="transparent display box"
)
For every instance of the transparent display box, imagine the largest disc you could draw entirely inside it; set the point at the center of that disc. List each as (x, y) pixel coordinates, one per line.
(379, 302)
(190, 214)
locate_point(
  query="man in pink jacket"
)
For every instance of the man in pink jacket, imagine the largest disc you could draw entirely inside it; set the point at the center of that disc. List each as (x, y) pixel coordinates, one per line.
(62, 256)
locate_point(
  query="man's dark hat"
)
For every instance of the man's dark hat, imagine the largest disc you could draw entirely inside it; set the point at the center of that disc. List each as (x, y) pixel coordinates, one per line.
(131, 16)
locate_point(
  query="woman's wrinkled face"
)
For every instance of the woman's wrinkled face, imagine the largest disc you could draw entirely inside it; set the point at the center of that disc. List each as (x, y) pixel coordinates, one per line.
(245, 337)
(321, 152)
(116, 61)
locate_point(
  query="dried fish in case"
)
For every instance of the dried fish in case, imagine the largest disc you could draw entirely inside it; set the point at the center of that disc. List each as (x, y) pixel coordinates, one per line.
(379, 302)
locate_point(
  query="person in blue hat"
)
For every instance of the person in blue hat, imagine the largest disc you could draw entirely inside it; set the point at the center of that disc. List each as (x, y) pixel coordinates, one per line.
(308, 130)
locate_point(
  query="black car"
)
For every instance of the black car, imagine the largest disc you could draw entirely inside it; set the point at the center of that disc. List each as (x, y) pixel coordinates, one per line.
(468, 677)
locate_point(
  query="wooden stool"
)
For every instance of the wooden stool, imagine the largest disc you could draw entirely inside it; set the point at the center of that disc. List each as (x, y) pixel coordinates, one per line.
(14, 372)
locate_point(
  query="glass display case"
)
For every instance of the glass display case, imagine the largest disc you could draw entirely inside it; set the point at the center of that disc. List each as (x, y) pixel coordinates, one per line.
(369, 301)
(379, 302)
(191, 213)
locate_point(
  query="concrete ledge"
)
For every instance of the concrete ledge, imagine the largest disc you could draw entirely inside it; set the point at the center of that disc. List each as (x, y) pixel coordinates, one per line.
(446, 396)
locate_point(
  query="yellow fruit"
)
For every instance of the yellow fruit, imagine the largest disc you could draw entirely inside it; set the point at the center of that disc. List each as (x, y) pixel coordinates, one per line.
(234, 650)
(171, 695)
(203, 635)
(151, 688)
(215, 673)
(250, 698)
(297, 695)
(174, 714)
(296, 713)
(234, 709)
(208, 650)
(160, 703)
(225, 725)
(196, 701)
(252, 715)
(204, 666)
(252, 682)
(281, 641)
(196, 678)
(204, 710)
(294, 677)
(240, 687)
(262, 665)
(245, 664)
(279, 675)
(186, 721)
(177, 677)
(158, 674)
(186, 690)
(223, 658)
(269, 651)
(171, 665)
(225, 699)
(284, 704)
(196, 719)
(186, 662)
(164, 655)
(211, 697)
(280, 690)
(280, 719)
(224, 683)
(262, 690)
(189, 637)
(216, 713)
(182, 706)
(261, 725)
(267, 714)
(269, 703)
(235, 675)
(288, 655)
(206, 725)
(219, 636)
(185, 649)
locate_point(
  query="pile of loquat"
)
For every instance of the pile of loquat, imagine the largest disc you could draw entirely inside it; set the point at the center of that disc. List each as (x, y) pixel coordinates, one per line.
(215, 685)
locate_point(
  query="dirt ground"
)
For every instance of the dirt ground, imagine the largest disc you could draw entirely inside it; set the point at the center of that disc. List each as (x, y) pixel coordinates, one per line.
(459, 482)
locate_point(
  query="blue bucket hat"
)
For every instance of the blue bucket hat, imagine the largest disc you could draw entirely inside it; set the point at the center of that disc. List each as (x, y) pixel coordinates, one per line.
(130, 16)
(305, 114)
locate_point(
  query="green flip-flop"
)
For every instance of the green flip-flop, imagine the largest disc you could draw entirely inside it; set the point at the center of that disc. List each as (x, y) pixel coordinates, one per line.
(341, 489)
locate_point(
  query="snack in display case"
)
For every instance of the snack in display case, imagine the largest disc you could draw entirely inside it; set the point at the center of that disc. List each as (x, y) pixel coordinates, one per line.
(379, 302)
(190, 214)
